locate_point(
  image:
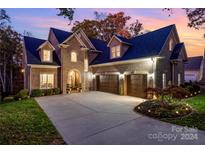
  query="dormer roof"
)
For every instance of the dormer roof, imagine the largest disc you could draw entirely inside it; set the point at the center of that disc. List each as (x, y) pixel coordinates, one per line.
(32, 54)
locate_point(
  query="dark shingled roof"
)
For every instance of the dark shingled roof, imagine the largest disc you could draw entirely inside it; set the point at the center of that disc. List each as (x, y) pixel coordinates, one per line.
(33, 57)
(193, 63)
(61, 35)
(123, 40)
(176, 51)
(146, 45)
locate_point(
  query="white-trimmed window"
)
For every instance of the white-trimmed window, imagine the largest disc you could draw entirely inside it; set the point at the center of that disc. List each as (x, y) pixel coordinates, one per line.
(164, 81)
(73, 57)
(47, 55)
(171, 45)
(179, 79)
(115, 51)
(46, 81)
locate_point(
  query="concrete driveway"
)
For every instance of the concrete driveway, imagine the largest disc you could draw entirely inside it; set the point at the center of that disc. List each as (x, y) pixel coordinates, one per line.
(103, 118)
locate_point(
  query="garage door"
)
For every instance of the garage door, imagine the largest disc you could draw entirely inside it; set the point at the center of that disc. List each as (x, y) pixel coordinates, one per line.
(136, 85)
(108, 83)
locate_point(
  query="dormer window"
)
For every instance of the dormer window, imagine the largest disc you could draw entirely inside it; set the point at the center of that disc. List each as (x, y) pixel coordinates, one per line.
(171, 45)
(73, 57)
(47, 55)
(115, 51)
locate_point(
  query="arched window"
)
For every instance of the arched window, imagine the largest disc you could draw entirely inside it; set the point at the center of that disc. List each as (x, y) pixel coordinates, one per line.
(73, 57)
(171, 45)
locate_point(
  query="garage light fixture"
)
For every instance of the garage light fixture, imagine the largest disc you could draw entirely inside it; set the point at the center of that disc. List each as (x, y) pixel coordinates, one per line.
(93, 76)
(121, 76)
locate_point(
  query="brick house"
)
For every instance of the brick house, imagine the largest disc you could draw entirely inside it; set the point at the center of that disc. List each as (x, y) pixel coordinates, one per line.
(121, 66)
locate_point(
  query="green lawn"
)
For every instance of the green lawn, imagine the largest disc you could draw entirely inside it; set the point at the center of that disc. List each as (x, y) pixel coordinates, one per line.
(197, 119)
(24, 122)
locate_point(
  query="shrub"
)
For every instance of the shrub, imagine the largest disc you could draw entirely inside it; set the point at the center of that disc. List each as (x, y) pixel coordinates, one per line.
(182, 85)
(22, 94)
(49, 91)
(151, 92)
(190, 89)
(196, 88)
(44, 92)
(169, 99)
(8, 99)
(179, 92)
(57, 91)
(36, 93)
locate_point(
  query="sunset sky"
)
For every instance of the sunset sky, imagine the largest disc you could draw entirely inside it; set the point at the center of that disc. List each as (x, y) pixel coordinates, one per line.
(38, 22)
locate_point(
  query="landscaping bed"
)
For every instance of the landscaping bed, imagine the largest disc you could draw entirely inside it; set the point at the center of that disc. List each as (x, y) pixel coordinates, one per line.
(157, 110)
(24, 122)
(195, 120)
(184, 105)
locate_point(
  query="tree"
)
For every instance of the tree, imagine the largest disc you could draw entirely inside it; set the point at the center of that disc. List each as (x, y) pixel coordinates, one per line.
(27, 33)
(196, 16)
(135, 28)
(4, 18)
(104, 27)
(67, 13)
(10, 54)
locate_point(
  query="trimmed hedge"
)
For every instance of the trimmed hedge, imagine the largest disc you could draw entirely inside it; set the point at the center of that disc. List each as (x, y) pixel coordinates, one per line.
(36, 93)
(8, 99)
(45, 92)
(57, 91)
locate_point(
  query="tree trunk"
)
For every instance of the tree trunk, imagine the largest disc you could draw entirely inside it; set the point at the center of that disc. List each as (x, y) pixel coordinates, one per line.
(11, 80)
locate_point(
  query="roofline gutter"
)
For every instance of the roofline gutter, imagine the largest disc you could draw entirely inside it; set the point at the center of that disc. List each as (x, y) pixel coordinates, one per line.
(126, 61)
(42, 66)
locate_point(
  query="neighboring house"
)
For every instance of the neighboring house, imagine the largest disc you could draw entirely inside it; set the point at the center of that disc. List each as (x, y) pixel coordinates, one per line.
(122, 66)
(194, 69)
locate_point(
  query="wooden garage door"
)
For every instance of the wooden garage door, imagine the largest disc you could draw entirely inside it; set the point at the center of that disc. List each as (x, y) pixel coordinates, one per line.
(108, 83)
(136, 85)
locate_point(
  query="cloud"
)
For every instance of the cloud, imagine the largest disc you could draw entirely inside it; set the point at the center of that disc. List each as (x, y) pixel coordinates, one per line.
(151, 18)
(43, 22)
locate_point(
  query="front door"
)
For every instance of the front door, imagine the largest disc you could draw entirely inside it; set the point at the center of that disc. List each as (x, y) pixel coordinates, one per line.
(74, 79)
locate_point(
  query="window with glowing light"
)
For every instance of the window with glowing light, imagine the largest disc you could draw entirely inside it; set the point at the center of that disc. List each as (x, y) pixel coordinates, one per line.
(47, 55)
(73, 57)
(115, 51)
(171, 45)
(46, 81)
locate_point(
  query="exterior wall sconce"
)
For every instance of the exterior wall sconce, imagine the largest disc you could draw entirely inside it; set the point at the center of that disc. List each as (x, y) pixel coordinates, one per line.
(93, 76)
(121, 76)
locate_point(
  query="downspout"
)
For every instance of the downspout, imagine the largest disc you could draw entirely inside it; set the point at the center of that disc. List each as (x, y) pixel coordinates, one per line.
(173, 80)
(30, 72)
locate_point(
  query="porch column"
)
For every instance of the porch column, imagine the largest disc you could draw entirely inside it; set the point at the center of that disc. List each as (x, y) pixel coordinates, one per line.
(122, 84)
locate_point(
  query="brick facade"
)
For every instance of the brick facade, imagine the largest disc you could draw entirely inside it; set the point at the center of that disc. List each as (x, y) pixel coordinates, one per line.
(151, 67)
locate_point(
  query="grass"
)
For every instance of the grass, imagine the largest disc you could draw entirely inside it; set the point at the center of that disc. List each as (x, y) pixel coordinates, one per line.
(197, 119)
(24, 122)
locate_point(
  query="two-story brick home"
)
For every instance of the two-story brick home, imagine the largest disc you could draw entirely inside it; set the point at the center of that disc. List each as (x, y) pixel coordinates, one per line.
(121, 66)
